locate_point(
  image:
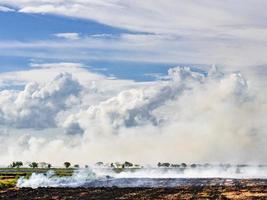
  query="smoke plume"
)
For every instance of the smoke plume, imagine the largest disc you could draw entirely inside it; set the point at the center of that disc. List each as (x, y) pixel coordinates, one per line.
(187, 116)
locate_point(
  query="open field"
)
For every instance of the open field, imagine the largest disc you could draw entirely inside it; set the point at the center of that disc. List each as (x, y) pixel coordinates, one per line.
(187, 188)
(241, 189)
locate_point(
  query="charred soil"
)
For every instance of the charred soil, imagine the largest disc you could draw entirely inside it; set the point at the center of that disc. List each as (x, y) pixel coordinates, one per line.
(242, 189)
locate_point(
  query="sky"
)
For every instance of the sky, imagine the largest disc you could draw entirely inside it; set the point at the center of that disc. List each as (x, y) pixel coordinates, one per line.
(110, 80)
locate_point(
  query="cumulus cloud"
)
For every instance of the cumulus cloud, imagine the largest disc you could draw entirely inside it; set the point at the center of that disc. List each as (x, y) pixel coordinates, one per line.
(188, 115)
(37, 105)
(133, 107)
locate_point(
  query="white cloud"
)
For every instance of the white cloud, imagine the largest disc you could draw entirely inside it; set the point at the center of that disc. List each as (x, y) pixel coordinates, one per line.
(41, 76)
(37, 105)
(133, 107)
(198, 117)
(190, 114)
(59, 65)
(43, 72)
(6, 9)
(182, 31)
(227, 33)
(146, 48)
(161, 16)
(69, 36)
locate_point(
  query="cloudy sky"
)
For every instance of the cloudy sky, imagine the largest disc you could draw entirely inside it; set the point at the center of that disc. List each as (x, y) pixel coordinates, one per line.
(112, 79)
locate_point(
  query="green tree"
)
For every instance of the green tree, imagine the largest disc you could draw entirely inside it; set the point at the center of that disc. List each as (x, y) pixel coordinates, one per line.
(99, 163)
(183, 165)
(16, 164)
(33, 165)
(128, 164)
(67, 164)
(193, 165)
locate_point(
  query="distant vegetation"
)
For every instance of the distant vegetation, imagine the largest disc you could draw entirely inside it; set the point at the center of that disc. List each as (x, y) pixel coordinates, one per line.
(67, 164)
(164, 164)
(16, 164)
(33, 165)
(126, 164)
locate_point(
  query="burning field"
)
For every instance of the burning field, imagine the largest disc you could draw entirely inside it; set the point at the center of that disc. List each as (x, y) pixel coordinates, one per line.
(198, 182)
(230, 189)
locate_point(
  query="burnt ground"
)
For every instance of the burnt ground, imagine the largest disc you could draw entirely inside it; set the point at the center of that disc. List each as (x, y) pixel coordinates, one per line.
(241, 189)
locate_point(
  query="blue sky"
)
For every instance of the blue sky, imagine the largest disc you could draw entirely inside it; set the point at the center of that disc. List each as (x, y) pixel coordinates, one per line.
(133, 39)
(28, 27)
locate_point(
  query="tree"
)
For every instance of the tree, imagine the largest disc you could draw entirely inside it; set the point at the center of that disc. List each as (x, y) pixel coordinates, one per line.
(76, 166)
(67, 164)
(183, 165)
(128, 164)
(99, 163)
(164, 164)
(19, 164)
(42, 165)
(33, 165)
(193, 165)
(16, 164)
(13, 165)
(49, 166)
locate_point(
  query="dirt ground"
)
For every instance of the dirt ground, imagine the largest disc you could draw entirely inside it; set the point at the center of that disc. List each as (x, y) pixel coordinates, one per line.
(243, 189)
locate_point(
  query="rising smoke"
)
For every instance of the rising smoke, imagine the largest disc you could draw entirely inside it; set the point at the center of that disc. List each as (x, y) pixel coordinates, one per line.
(145, 177)
(187, 116)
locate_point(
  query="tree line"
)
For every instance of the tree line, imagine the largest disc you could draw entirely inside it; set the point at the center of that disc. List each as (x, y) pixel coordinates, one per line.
(19, 164)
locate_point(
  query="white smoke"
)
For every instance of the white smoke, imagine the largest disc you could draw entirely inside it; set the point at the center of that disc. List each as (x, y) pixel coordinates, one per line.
(137, 107)
(188, 116)
(153, 177)
(49, 179)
